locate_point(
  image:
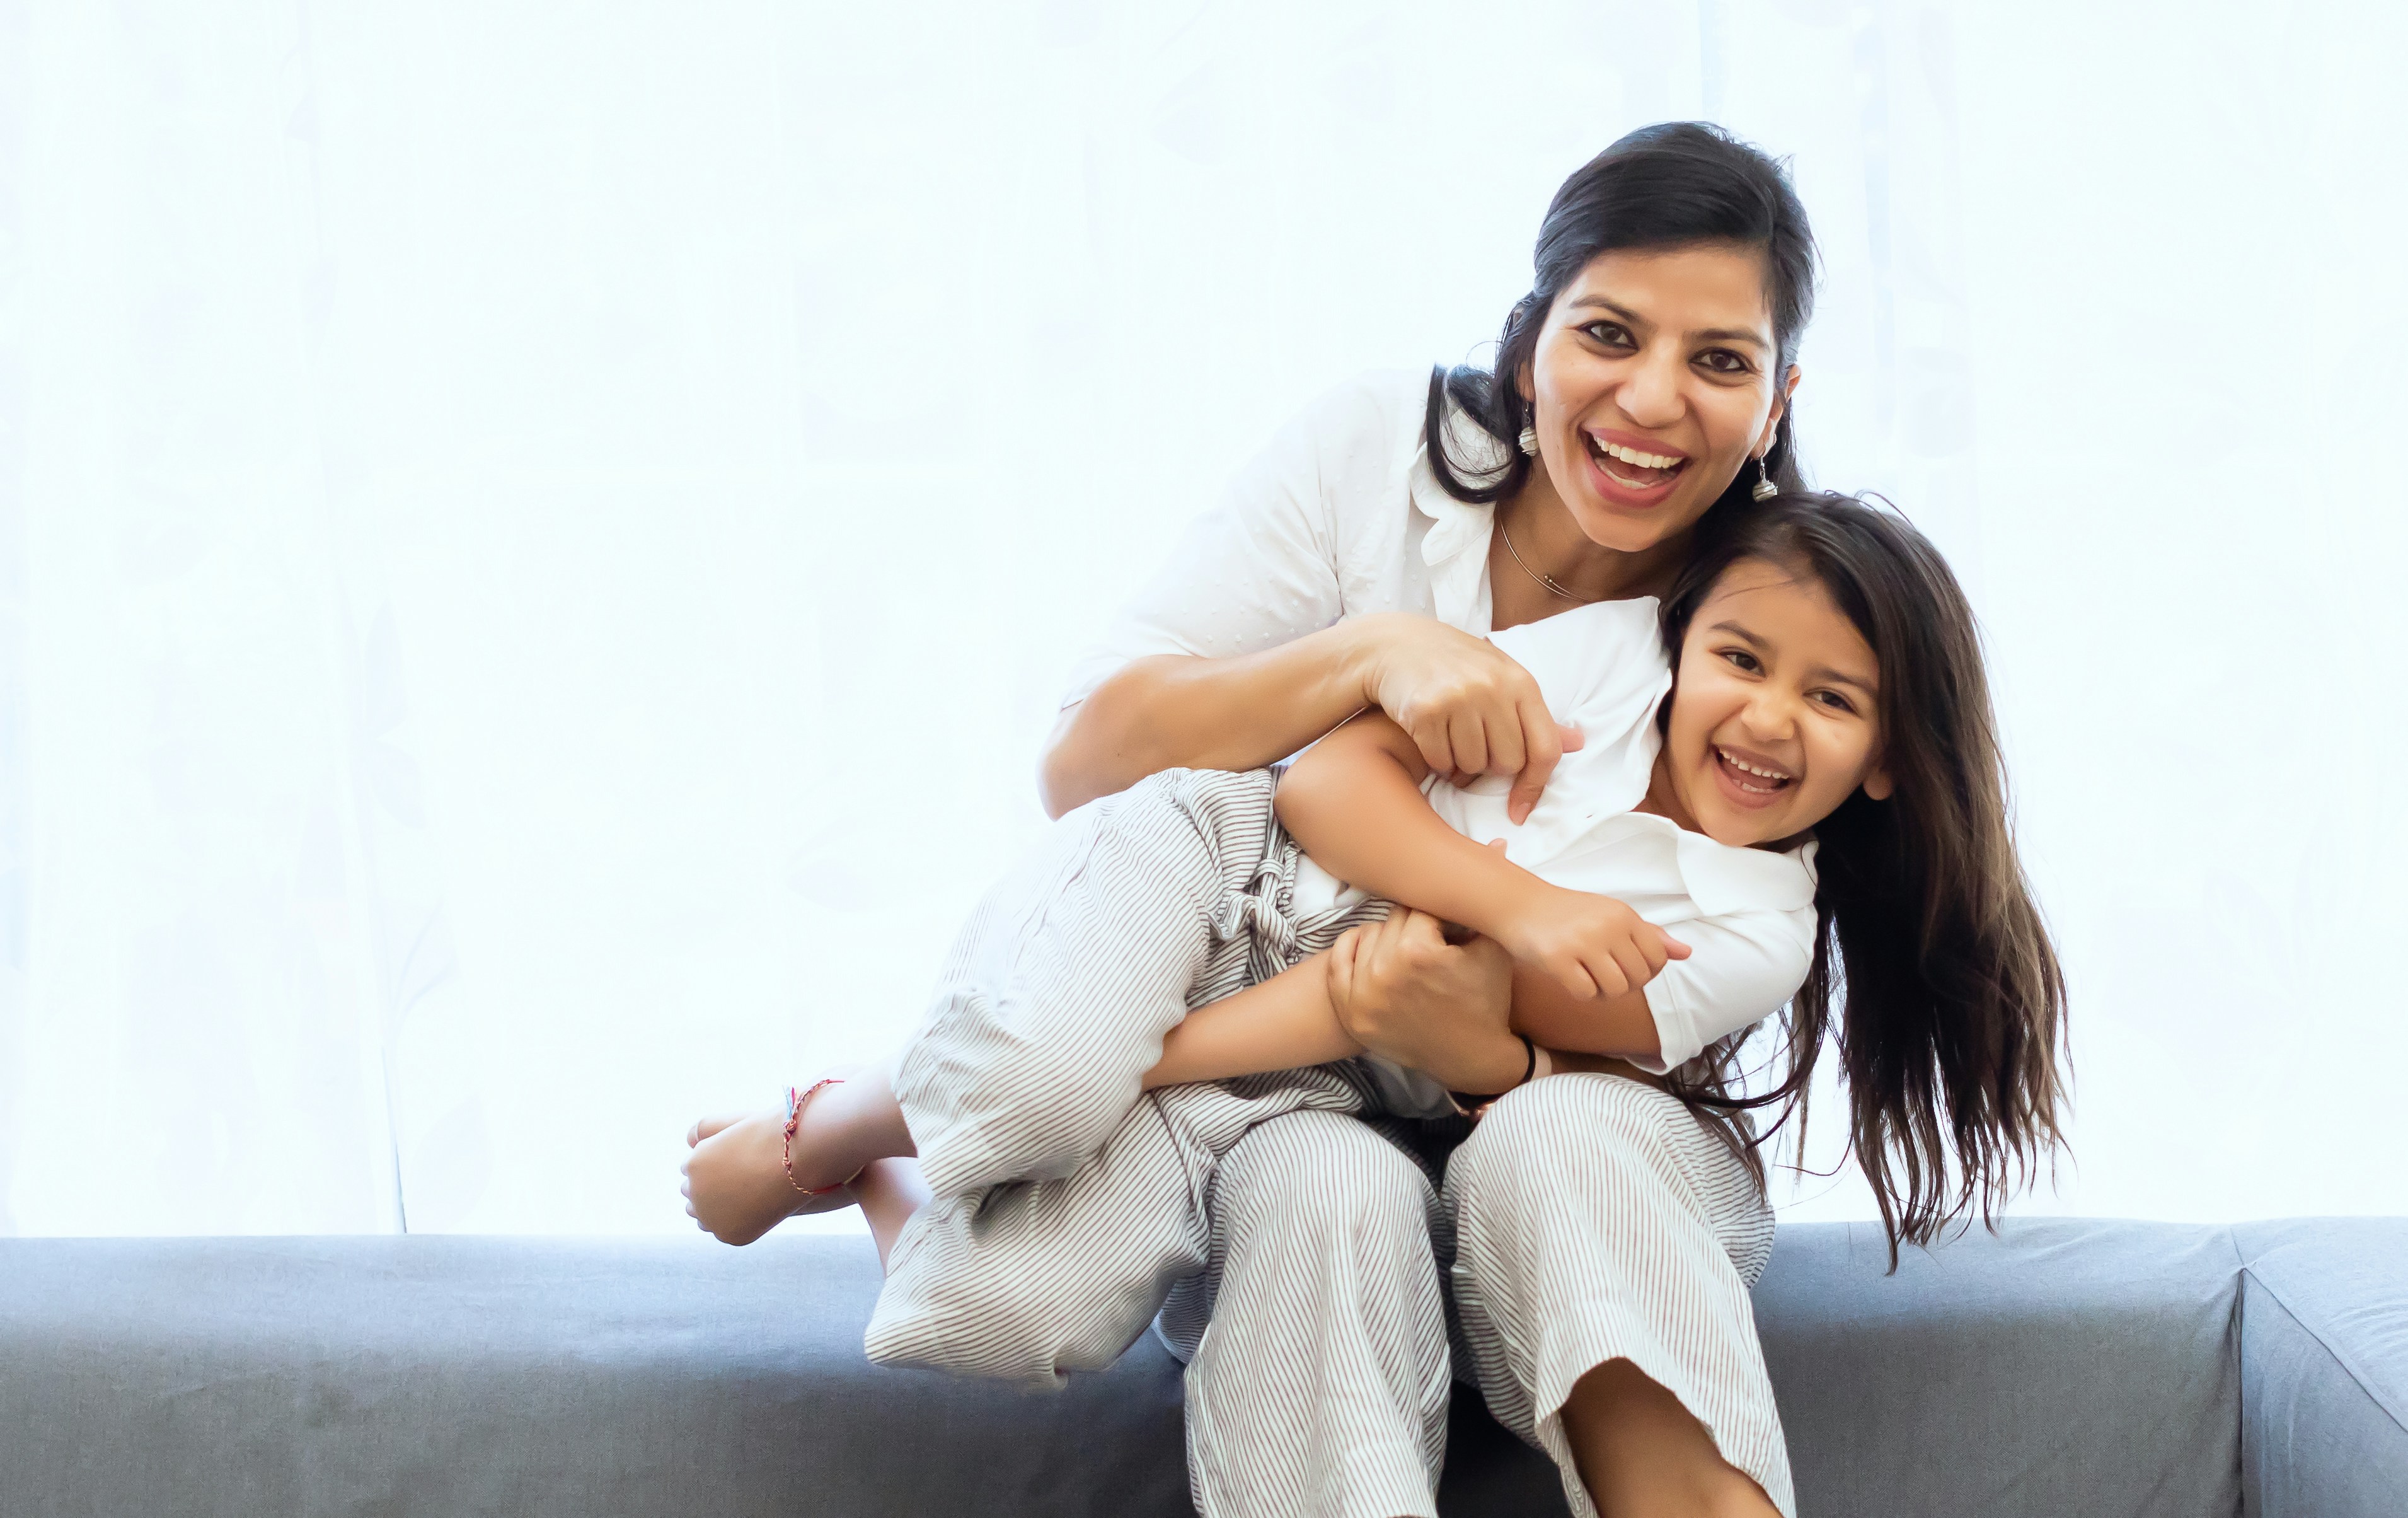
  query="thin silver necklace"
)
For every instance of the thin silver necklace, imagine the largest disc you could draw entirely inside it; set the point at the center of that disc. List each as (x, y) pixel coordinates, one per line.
(1547, 580)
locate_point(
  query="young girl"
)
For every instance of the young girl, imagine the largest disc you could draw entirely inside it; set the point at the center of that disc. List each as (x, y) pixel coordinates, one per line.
(1660, 899)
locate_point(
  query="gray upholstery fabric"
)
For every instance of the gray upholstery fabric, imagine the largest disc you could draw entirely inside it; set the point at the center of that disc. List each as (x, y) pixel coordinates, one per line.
(441, 1376)
(2102, 1369)
(2324, 1370)
(2067, 1367)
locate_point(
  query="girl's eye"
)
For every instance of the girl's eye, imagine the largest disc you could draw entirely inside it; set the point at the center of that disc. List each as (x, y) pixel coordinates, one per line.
(1836, 701)
(1743, 661)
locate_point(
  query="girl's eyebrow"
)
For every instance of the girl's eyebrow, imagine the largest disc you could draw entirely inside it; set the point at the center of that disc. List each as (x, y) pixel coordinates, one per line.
(1821, 672)
(1712, 334)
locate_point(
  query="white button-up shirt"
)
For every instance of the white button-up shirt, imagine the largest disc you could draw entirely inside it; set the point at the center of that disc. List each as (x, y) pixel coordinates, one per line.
(1339, 517)
(1342, 516)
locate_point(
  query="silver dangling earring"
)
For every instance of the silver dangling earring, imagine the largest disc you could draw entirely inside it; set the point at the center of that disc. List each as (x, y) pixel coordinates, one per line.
(1764, 489)
(1530, 441)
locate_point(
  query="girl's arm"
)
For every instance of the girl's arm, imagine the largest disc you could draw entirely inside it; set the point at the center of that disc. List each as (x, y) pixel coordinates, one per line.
(1283, 1023)
(1355, 802)
(1289, 1021)
(1621, 1026)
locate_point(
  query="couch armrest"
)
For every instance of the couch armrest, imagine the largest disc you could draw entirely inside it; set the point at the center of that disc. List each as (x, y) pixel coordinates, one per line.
(2324, 1367)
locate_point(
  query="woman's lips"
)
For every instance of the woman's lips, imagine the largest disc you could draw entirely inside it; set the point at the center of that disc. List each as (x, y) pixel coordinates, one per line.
(1624, 484)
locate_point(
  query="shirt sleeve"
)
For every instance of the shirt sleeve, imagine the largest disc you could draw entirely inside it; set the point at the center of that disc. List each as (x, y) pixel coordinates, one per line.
(1263, 569)
(1743, 968)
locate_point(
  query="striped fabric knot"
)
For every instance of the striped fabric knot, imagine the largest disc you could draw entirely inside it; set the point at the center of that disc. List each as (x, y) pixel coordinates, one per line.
(1263, 911)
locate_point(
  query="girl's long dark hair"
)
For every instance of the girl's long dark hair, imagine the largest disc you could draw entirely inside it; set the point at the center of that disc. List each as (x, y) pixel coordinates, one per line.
(1670, 185)
(1930, 954)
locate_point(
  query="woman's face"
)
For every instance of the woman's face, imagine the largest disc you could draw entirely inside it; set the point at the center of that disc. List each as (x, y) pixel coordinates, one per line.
(1654, 383)
(1775, 715)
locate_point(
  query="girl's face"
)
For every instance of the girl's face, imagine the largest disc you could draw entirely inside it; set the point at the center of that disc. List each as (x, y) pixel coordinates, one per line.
(1774, 711)
(1652, 383)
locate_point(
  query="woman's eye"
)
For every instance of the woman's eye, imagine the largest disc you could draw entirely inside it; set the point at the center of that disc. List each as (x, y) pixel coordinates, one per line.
(1723, 361)
(1613, 334)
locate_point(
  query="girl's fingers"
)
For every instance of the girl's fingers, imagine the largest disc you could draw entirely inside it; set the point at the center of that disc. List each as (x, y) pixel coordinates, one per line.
(1635, 969)
(1674, 947)
(710, 1127)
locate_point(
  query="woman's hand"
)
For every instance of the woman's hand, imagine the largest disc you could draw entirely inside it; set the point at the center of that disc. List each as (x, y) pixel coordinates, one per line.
(1400, 990)
(1591, 946)
(1467, 706)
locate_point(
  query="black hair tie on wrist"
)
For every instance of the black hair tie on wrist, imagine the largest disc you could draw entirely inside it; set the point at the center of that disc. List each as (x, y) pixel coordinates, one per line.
(1531, 1067)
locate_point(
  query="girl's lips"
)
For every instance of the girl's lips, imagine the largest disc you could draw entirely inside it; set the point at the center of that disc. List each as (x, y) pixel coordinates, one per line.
(1740, 788)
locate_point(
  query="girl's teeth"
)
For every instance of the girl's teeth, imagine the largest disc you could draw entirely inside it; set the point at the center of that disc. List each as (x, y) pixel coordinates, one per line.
(1777, 778)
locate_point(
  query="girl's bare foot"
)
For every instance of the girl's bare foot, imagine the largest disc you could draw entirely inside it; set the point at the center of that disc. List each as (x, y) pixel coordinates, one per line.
(738, 1184)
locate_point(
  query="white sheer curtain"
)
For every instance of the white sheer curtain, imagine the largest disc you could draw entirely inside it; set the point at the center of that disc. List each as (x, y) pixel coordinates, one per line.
(537, 545)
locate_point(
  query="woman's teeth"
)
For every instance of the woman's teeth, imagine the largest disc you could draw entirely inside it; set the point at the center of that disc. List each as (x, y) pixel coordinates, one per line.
(1639, 470)
(1774, 779)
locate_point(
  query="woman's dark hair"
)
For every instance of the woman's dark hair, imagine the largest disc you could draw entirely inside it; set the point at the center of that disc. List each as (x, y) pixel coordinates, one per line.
(1928, 950)
(1670, 185)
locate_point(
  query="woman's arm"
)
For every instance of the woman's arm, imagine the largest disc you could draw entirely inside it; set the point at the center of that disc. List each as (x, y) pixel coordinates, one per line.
(1468, 707)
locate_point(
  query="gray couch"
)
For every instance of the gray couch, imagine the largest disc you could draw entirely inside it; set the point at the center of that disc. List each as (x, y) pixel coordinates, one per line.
(2067, 1368)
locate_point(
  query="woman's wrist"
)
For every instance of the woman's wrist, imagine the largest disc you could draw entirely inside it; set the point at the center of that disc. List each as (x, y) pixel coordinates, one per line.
(1362, 644)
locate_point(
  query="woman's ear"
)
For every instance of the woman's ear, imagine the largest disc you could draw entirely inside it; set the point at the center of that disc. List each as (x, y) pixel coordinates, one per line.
(1780, 408)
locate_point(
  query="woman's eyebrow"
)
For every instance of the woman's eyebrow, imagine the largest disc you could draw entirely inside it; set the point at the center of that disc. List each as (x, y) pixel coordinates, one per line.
(1712, 334)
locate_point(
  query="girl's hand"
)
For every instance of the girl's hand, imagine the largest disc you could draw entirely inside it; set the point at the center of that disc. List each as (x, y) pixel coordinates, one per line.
(1468, 708)
(1592, 945)
(1402, 991)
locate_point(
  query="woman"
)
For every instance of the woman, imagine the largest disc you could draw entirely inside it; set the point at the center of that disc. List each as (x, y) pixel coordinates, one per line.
(1643, 382)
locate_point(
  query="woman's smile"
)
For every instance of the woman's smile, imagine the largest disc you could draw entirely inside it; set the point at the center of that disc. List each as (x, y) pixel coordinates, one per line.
(1632, 471)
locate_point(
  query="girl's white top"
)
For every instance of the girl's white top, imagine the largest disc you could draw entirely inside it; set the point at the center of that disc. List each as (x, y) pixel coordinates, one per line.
(1342, 516)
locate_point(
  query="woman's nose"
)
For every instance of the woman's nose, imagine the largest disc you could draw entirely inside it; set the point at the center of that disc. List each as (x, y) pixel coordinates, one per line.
(1651, 390)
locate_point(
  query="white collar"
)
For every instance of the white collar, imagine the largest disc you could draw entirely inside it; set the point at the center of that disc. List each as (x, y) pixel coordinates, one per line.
(1456, 548)
(1721, 878)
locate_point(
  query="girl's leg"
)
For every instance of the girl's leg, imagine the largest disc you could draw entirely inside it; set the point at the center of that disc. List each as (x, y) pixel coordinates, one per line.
(1054, 1000)
(1604, 1244)
(891, 1193)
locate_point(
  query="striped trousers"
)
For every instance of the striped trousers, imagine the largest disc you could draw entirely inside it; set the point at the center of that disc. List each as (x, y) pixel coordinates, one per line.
(1276, 1230)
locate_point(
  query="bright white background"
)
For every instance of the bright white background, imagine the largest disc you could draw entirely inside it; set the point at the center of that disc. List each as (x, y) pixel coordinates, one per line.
(538, 543)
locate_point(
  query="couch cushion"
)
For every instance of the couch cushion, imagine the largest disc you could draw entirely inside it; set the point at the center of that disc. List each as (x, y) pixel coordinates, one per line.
(536, 1378)
(2324, 1388)
(2067, 1365)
